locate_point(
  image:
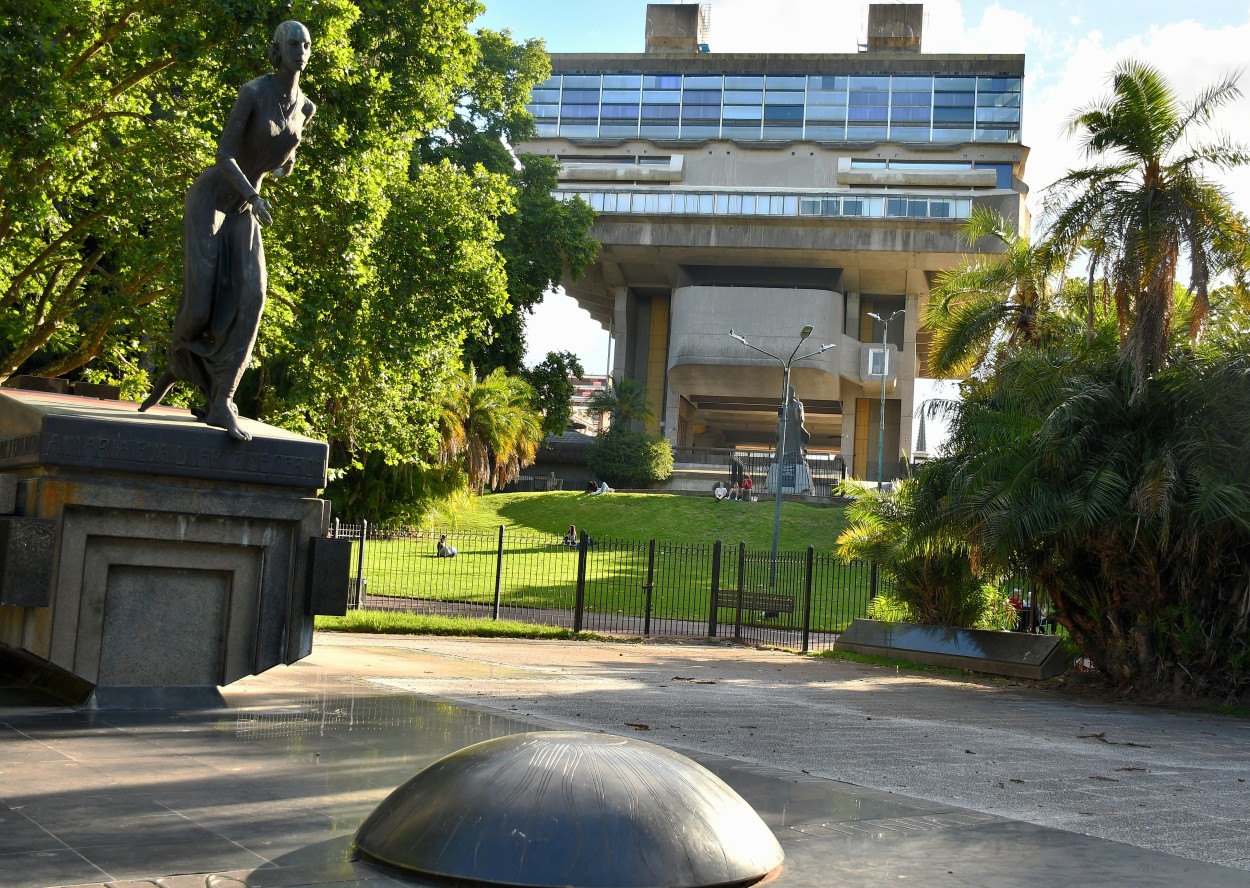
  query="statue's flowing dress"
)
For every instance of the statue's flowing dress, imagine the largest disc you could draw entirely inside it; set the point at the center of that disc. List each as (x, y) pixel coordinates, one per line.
(223, 279)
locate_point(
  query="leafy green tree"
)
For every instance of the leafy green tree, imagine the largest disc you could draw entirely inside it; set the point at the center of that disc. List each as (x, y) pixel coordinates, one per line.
(544, 240)
(990, 299)
(553, 389)
(1147, 204)
(113, 107)
(489, 430)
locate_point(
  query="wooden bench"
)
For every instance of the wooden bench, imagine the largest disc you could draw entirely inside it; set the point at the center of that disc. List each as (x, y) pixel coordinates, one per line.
(768, 603)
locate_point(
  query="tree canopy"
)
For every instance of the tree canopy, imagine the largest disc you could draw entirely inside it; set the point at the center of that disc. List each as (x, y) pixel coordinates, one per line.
(406, 234)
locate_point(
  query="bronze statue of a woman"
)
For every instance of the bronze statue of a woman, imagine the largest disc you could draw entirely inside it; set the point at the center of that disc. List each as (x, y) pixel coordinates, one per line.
(223, 276)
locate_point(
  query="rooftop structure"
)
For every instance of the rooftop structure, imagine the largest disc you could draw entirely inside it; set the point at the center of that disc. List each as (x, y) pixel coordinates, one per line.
(767, 192)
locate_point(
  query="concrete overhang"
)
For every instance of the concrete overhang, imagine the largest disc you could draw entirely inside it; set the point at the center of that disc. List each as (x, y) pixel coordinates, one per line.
(915, 178)
(580, 171)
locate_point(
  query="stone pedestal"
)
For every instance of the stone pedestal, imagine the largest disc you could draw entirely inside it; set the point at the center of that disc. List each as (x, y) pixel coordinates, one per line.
(795, 478)
(149, 559)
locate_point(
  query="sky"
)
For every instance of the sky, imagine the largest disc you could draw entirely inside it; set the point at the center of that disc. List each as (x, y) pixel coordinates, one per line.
(1070, 47)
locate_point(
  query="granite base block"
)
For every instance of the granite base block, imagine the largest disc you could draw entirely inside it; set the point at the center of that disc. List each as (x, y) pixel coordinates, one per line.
(173, 559)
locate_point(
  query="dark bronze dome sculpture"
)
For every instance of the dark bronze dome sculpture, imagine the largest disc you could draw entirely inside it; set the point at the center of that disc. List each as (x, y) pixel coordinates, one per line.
(572, 809)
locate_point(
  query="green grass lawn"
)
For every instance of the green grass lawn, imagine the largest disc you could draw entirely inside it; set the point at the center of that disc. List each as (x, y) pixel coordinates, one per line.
(539, 572)
(644, 516)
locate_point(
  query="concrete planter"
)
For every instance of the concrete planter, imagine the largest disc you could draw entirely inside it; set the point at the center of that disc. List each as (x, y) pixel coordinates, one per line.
(1017, 654)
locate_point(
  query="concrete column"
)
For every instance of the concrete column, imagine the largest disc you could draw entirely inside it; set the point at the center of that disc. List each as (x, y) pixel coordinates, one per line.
(906, 390)
(850, 324)
(848, 428)
(620, 326)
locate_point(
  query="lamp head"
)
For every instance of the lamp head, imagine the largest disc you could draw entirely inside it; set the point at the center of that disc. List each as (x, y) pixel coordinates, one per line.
(807, 331)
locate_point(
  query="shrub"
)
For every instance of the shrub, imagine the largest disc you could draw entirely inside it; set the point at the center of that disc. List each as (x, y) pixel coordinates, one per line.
(933, 576)
(626, 458)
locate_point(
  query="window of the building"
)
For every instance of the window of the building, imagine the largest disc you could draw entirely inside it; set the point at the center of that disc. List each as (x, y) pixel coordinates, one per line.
(622, 81)
(819, 106)
(661, 81)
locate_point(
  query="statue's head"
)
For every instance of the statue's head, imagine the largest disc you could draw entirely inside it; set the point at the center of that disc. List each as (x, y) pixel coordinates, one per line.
(291, 45)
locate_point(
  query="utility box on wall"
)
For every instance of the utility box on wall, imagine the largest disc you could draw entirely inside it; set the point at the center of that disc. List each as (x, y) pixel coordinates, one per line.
(148, 558)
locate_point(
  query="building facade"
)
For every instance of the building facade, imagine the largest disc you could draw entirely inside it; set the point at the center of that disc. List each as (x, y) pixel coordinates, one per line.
(768, 192)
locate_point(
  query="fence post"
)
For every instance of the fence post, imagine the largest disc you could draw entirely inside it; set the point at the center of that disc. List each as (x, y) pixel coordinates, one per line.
(872, 579)
(807, 597)
(711, 620)
(498, 573)
(742, 585)
(360, 565)
(646, 622)
(579, 605)
(741, 589)
(336, 528)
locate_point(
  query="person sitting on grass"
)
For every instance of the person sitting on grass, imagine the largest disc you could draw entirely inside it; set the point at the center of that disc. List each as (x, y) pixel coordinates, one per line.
(719, 491)
(446, 549)
(734, 492)
(570, 538)
(603, 488)
(748, 487)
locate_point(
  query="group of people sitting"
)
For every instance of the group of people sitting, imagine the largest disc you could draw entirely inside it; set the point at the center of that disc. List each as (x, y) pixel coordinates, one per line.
(744, 491)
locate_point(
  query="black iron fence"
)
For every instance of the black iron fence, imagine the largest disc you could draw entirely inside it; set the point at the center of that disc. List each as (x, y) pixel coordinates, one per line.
(800, 600)
(637, 587)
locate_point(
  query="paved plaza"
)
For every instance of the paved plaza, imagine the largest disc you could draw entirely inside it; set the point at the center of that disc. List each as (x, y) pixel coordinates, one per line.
(868, 776)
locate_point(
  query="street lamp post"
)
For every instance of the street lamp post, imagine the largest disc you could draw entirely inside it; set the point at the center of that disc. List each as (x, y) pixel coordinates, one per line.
(786, 363)
(885, 357)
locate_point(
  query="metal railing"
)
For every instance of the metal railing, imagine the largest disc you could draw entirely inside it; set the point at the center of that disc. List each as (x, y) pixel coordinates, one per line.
(827, 469)
(635, 587)
(632, 587)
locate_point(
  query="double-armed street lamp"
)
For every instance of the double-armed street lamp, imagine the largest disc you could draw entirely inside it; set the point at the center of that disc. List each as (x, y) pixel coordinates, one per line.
(885, 358)
(786, 363)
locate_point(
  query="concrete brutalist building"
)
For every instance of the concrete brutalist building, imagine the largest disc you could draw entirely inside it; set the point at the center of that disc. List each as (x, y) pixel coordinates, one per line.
(766, 192)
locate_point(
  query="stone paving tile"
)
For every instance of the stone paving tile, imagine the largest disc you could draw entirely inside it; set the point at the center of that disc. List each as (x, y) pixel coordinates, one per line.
(270, 791)
(42, 869)
(197, 851)
(18, 834)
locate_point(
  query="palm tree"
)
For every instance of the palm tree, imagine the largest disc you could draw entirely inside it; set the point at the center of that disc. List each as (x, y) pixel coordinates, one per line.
(489, 429)
(903, 532)
(1130, 508)
(625, 400)
(991, 300)
(1146, 205)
